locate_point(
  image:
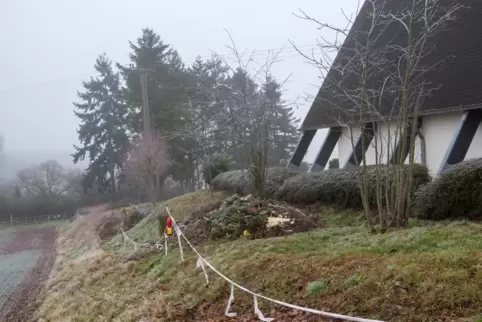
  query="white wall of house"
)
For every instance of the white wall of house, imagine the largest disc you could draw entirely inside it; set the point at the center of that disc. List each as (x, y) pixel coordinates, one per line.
(379, 147)
(438, 130)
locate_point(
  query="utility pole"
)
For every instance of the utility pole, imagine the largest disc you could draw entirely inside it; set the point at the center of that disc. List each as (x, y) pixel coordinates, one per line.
(145, 103)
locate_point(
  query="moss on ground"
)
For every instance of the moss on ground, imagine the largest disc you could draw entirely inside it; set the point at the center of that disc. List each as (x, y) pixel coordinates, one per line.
(430, 272)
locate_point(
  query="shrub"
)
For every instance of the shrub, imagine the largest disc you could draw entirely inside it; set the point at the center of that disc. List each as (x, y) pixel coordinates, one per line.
(234, 220)
(340, 187)
(334, 164)
(251, 217)
(237, 181)
(455, 194)
(352, 280)
(216, 164)
(238, 215)
(317, 288)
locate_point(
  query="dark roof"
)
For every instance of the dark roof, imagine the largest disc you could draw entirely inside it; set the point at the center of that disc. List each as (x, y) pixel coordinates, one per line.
(459, 77)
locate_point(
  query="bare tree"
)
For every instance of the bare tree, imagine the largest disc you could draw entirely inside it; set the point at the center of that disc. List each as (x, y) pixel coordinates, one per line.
(147, 162)
(49, 179)
(250, 112)
(243, 125)
(374, 70)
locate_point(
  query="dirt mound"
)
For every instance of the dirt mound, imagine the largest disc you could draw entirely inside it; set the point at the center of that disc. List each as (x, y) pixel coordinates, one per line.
(123, 219)
(246, 216)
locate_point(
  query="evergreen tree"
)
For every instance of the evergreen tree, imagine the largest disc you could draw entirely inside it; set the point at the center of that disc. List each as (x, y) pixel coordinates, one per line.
(283, 133)
(204, 81)
(241, 107)
(167, 96)
(104, 127)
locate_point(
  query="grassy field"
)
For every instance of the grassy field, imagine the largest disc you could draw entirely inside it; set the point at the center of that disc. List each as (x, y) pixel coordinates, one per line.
(429, 272)
(53, 223)
(13, 270)
(25, 255)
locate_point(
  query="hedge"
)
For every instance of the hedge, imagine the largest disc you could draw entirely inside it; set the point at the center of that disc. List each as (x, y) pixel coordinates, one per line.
(237, 181)
(340, 187)
(455, 194)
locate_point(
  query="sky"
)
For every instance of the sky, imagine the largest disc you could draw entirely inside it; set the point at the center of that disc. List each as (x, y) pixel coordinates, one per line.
(49, 47)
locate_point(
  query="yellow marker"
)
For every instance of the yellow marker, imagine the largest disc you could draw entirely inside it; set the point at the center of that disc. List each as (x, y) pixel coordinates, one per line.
(169, 225)
(246, 233)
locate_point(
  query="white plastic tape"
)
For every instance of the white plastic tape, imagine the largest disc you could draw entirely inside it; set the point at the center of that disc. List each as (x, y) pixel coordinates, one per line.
(258, 312)
(178, 233)
(165, 244)
(200, 264)
(285, 304)
(230, 301)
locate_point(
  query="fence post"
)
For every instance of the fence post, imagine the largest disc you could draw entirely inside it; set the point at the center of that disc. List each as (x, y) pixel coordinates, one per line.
(35, 219)
(48, 217)
(11, 220)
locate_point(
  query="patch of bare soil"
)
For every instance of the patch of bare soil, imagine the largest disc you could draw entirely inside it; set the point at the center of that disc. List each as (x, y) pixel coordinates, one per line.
(22, 304)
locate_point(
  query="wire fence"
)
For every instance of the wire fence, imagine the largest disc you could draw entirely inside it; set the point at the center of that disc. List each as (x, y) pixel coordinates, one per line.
(32, 220)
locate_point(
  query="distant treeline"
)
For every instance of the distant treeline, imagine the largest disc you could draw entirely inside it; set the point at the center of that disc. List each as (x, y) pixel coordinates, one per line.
(26, 209)
(30, 208)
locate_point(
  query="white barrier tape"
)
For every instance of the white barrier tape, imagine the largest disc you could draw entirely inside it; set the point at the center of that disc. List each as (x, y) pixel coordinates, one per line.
(258, 312)
(200, 264)
(179, 233)
(230, 301)
(165, 245)
(125, 237)
(292, 306)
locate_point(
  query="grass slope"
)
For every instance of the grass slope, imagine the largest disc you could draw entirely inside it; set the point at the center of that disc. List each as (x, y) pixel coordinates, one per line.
(430, 272)
(180, 207)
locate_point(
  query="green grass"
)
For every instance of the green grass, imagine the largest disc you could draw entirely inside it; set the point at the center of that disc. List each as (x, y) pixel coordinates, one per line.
(53, 223)
(353, 280)
(352, 240)
(427, 272)
(317, 288)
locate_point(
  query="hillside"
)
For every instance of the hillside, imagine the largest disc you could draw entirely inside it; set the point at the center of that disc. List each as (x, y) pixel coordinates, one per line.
(428, 272)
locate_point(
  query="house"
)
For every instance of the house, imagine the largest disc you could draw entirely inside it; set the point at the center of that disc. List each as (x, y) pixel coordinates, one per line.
(449, 122)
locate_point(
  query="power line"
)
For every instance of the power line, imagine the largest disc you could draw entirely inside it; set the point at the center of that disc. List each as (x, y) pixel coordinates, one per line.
(259, 54)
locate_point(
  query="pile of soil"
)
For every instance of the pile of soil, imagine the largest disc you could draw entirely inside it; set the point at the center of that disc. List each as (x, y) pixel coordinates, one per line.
(123, 219)
(246, 216)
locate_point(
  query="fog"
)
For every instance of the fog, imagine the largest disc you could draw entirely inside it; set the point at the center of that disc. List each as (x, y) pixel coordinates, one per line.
(49, 48)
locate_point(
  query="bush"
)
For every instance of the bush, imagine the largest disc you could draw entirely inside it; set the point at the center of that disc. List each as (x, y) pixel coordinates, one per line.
(216, 164)
(235, 219)
(340, 187)
(253, 218)
(455, 194)
(237, 181)
(334, 164)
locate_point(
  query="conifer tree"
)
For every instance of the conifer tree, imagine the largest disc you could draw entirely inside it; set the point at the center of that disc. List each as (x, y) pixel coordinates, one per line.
(104, 125)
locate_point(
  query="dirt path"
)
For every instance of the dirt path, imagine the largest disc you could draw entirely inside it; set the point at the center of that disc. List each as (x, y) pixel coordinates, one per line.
(26, 258)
